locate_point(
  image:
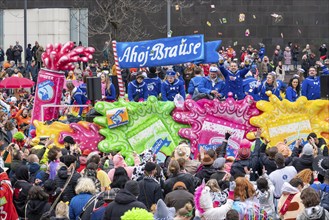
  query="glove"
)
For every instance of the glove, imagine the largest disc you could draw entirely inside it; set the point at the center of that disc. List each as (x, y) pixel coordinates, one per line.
(221, 59)
(247, 62)
(227, 135)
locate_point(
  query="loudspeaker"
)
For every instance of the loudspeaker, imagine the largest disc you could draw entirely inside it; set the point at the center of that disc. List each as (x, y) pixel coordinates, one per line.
(324, 83)
(94, 88)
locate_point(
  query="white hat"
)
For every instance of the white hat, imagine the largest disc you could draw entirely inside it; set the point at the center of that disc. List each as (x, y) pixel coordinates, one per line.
(213, 69)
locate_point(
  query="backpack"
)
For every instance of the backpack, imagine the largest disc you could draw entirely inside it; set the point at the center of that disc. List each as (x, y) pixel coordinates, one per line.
(324, 198)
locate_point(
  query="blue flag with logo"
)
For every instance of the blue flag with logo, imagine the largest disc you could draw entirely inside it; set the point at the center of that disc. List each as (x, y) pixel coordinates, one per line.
(161, 52)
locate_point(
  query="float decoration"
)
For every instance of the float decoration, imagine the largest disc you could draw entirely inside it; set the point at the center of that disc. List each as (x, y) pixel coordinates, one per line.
(150, 126)
(53, 130)
(85, 134)
(57, 58)
(210, 119)
(285, 120)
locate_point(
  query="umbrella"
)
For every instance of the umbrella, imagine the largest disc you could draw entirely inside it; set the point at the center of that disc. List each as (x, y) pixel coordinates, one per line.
(15, 82)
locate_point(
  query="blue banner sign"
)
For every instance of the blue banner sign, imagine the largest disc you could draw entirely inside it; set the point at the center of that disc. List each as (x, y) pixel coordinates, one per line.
(161, 52)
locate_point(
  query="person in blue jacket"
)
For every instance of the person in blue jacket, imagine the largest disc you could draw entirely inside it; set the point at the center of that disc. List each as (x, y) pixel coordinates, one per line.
(311, 85)
(234, 78)
(195, 82)
(77, 96)
(83, 86)
(261, 52)
(153, 83)
(269, 85)
(293, 90)
(171, 87)
(110, 92)
(249, 84)
(137, 89)
(212, 84)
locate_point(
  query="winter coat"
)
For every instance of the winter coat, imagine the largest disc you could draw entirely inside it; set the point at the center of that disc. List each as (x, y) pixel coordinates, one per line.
(311, 86)
(110, 95)
(137, 91)
(193, 86)
(236, 84)
(249, 84)
(77, 203)
(28, 54)
(170, 90)
(303, 162)
(296, 206)
(123, 202)
(291, 94)
(150, 191)
(316, 213)
(295, 52)
(61, 178)
(78, 98)
(206, 86)
(35, 208)
(287, 57)
(8, 210)
(153, 86)
(261, 91)
(178, 198)
(83, 88)
(205, 203)
(205, 172)
(269, 163)
(21, 189)
(186, 178)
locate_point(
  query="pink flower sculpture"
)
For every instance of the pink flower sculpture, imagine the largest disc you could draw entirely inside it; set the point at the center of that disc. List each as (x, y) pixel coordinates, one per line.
(85, 134)
(210, 119)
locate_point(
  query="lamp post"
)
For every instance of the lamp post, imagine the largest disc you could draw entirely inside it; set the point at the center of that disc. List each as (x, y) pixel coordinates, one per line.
(25, 29)
(168, 18)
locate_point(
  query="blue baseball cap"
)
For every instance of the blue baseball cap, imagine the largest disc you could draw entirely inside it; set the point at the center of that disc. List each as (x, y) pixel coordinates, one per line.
(171, 73)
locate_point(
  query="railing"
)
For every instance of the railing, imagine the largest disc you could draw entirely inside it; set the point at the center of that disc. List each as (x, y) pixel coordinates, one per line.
(59, 106)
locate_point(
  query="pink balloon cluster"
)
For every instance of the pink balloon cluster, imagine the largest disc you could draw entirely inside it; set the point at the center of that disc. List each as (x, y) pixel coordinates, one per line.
(60, 57)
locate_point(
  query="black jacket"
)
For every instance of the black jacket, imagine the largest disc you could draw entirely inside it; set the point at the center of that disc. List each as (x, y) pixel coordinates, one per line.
(269, 163)
(186, 178)
(150, 192)
(35, 208)
(60, 180)
(303, 162)
(252, 162)
(205, 172)
(123, 202)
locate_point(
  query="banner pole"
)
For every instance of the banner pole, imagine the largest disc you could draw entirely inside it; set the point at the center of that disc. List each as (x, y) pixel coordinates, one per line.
(118, 70)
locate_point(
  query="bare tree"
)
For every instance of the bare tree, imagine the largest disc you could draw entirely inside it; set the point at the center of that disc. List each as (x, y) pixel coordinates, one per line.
(124, 20)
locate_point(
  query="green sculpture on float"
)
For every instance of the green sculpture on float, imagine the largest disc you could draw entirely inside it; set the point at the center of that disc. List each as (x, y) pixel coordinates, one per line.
(150, 126)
